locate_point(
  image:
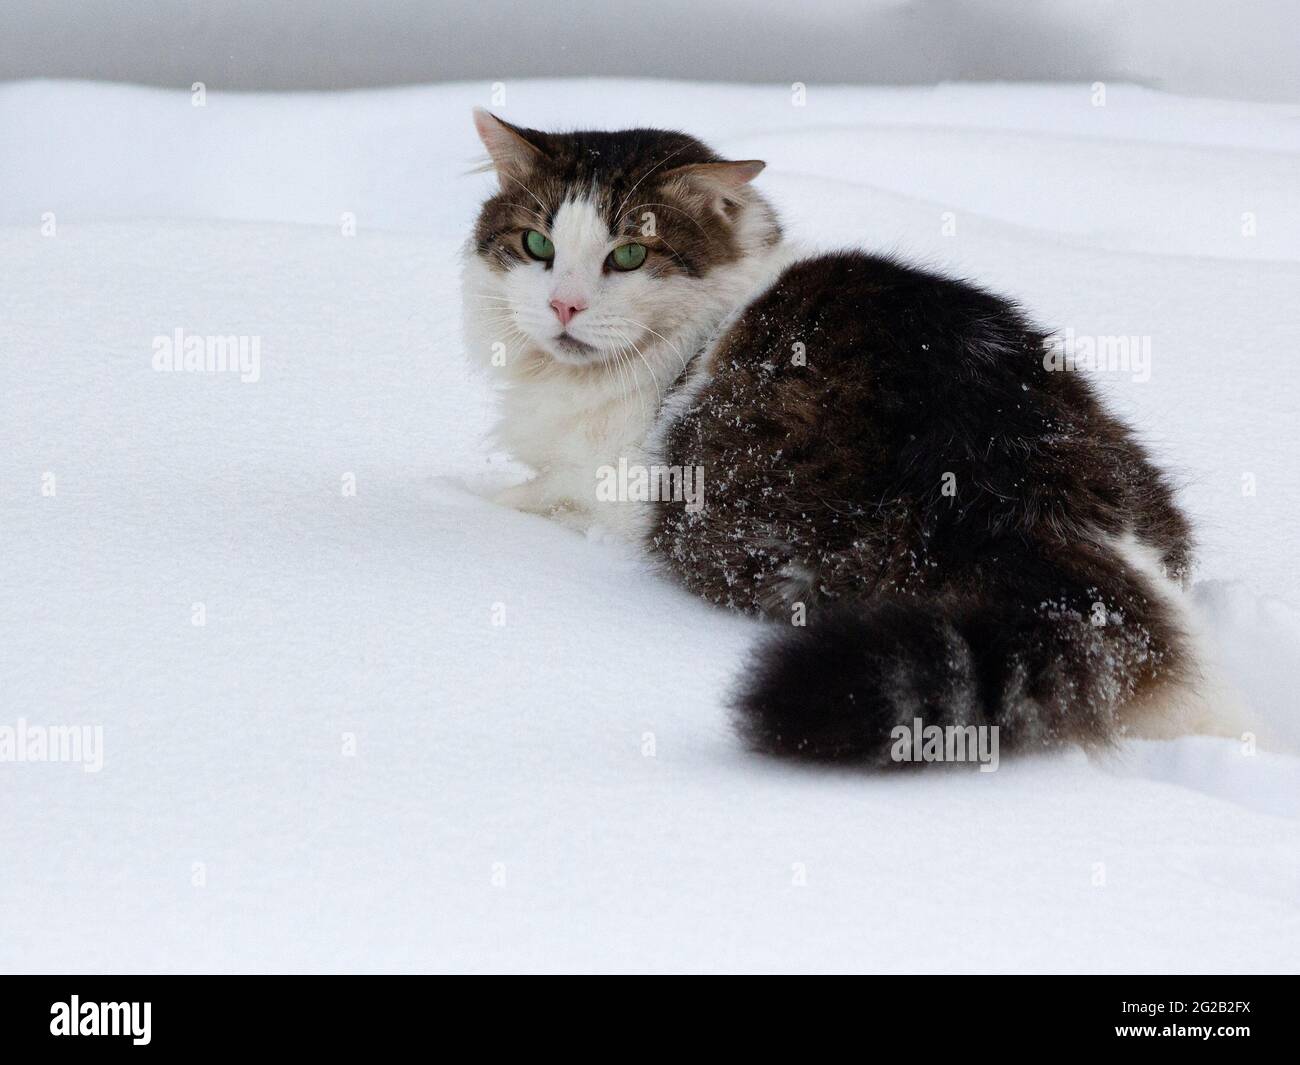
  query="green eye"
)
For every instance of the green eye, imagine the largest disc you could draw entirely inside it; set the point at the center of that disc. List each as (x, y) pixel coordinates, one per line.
(538, 246)
(628, 256)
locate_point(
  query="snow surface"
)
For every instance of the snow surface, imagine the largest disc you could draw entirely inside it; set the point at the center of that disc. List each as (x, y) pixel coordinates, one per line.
(562, 791)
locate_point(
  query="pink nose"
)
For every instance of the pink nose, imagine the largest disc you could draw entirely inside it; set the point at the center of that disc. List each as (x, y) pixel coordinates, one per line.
(566, 309)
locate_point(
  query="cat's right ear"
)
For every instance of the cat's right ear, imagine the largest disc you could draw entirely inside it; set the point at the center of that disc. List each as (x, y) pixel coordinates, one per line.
(513, 154)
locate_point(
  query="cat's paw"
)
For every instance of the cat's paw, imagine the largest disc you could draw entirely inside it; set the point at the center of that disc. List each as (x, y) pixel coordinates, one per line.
(530, 497)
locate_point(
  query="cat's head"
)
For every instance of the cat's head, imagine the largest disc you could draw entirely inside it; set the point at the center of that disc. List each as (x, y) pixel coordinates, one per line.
(600, 245)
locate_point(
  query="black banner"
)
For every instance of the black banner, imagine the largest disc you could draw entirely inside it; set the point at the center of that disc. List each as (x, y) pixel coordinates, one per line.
(165, 1014)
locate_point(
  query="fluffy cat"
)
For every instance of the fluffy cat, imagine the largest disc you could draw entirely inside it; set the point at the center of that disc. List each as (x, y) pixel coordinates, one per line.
(970, 537)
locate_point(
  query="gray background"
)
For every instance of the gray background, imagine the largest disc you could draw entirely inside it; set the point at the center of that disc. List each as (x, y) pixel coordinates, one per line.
(1199, 47)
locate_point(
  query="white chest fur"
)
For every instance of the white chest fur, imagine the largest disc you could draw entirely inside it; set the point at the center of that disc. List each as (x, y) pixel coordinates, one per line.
(570, 426)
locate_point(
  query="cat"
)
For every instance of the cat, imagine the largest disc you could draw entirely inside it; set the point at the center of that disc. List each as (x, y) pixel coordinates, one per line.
(951, 531)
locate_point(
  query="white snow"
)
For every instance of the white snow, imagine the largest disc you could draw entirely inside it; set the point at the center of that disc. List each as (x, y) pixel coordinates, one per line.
(562, 791)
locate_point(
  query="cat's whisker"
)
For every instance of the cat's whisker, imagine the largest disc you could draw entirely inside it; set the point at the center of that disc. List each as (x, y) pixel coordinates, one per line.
(632, 344)
(502, 318)
(528, 211)
(681, 259)
(640, 392)
(618, 368)
(654, 380)
(625, 351)
(677, 151)
(532, 371)
(530, 193)
(642, 325)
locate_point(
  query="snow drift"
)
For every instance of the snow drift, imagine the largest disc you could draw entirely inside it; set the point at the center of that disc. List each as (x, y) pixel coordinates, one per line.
(355, 717)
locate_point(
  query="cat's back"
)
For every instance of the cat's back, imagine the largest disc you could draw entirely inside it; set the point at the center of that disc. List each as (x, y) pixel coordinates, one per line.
(856, 386)
(852, 350)
(853, 313)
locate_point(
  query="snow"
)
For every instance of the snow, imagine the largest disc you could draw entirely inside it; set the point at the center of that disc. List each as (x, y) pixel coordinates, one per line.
(562, 791)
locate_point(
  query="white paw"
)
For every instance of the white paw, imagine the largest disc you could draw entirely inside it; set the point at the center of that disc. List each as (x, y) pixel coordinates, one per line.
(529, 497)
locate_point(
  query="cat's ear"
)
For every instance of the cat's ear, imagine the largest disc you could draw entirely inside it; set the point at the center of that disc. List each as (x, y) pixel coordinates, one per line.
(725, 175)
(512, 153)
(718, 182)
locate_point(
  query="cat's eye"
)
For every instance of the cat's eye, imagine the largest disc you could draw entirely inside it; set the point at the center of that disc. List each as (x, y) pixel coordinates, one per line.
(539, 246)
(627, 256)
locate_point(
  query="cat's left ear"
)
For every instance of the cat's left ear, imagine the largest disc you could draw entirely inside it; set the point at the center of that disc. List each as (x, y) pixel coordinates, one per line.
(718, 181)
(513, 154)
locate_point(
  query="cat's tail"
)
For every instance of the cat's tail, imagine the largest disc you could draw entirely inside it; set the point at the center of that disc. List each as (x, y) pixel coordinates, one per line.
(1043, 655)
